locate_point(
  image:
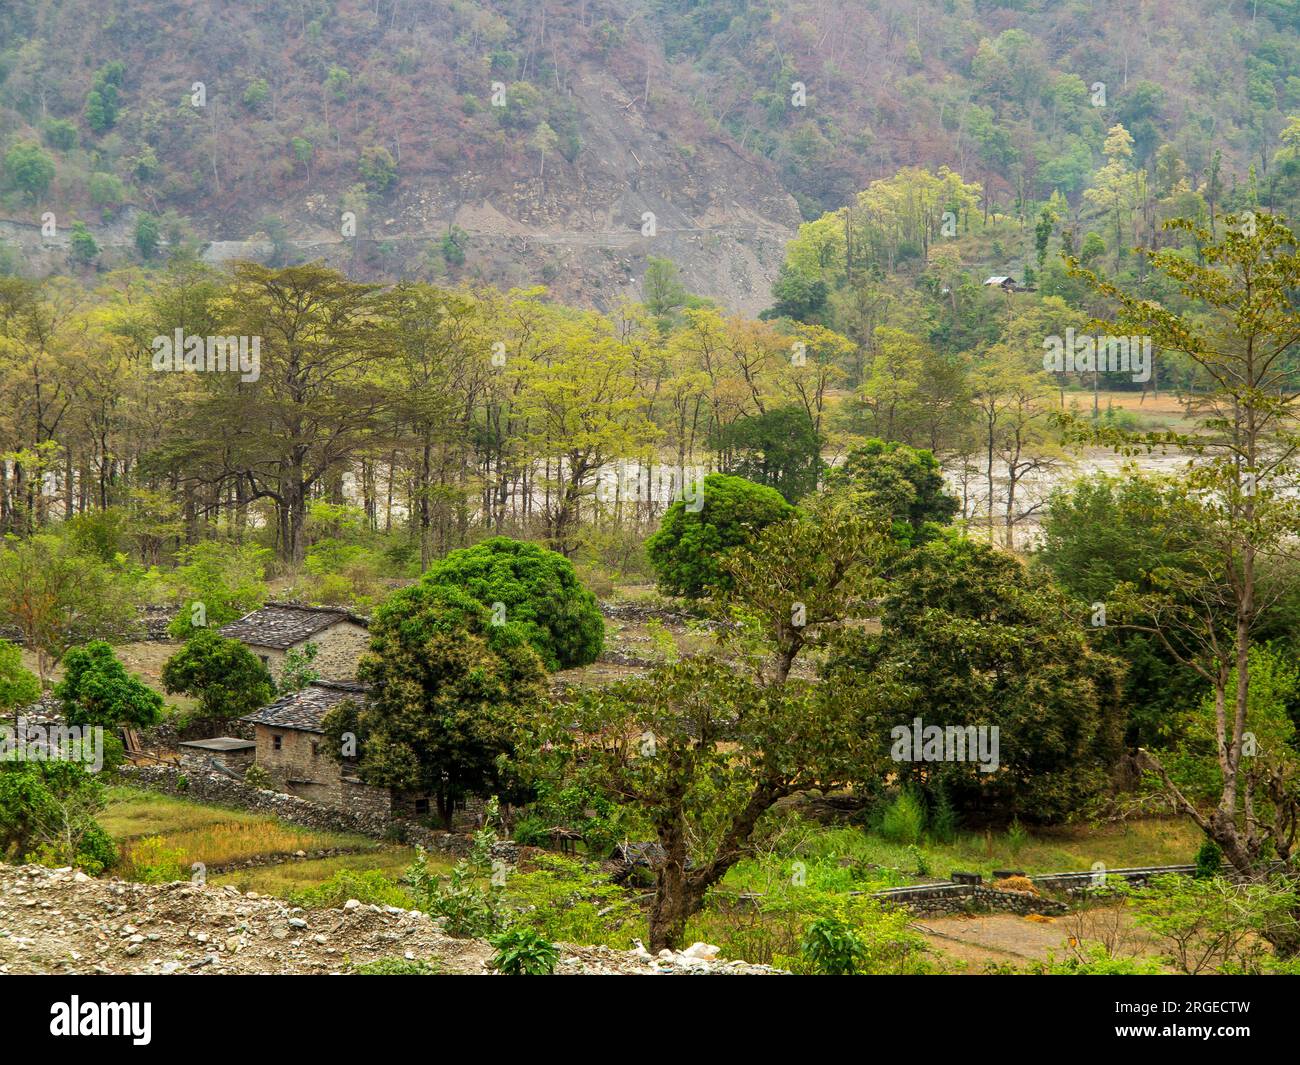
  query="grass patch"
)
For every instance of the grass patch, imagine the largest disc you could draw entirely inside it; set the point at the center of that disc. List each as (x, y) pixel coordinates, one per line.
(147, 824)
(291, 878)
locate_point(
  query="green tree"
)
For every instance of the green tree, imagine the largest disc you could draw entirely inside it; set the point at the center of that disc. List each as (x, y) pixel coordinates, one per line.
(55, 597)
(454, 702)
(47, 814)
(216, 583)
(905, 483)
(687, 550)
(1242, 337)
(19, 687)
(1103, 532)
(97, 690)
(85, 249)
(538, 592)
(147, 235)
(780, 448)
(223, 675)
(972, 640)
(30, 168)
(662, 289)
(378, 168)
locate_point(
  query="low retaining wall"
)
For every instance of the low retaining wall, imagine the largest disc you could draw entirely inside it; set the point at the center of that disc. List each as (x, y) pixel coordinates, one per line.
(944, 899)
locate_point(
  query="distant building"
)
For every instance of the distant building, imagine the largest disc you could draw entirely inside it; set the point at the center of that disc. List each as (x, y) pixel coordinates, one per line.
(1007, 284)
(273, 630)
(291, 747)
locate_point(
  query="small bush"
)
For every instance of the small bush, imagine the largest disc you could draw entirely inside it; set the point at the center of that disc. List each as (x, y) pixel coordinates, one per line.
(1209, 860)
(257, 777)
(369, 886)
(522, 952)
(831, 948)
(531, 832)
(904, 819)
(151, 861)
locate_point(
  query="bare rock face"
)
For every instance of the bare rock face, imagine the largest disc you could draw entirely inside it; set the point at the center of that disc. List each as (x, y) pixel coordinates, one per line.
(62, 921)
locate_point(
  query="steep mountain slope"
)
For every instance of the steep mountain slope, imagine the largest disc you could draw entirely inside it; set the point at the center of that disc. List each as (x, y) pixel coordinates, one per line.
(260, 128)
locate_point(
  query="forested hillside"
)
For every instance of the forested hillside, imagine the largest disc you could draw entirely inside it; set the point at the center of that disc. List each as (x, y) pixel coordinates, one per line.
(728, 121)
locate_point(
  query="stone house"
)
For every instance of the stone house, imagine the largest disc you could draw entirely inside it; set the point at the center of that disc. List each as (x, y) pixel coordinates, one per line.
(273, 630)
(291, 748)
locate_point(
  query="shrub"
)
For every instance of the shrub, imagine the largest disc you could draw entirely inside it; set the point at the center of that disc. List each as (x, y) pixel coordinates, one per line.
(257, 777)
(831, 948)
(522, 952)
(151, 861)
(217, 583)
(468, 906)
(687, 550)
(539, 591)
(1209, 860)
(1094, 960)
(531, 832)
(904, 819)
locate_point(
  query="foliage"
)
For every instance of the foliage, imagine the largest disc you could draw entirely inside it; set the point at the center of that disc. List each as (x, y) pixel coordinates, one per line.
(687, 550)
(904, 819)
(55, 596)
(470, 898)
(367, 886)
(298, 668)
(1213, 925)
(831, 948)
(19, 687)
(97, 690)
(540, 592)
(972, 641)
(522, 952)
(47, 811)
(453, 706)
(905, 483)
(225, 580)
(227, 679)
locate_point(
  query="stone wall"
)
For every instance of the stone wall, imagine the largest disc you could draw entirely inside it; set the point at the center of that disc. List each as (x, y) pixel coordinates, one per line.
(937, 900)
(363, 814)
(338, 650)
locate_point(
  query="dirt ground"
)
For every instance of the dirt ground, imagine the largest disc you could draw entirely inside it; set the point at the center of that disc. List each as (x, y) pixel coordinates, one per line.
(977, 941)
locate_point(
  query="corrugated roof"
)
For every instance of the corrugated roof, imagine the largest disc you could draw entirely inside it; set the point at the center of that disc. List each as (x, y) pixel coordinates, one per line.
(283, 625)
(305, 710)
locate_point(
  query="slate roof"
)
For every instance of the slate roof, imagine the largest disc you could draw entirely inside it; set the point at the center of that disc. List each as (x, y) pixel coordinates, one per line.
(284, 625)
(305, 710)
(219, 743)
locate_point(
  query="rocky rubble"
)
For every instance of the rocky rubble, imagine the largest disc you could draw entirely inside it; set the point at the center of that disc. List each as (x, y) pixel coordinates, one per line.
(62, 921)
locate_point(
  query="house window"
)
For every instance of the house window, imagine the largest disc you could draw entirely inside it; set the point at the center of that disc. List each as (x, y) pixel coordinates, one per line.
(421, 807)
(315, 749)
(279, 742)
(266, 660)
